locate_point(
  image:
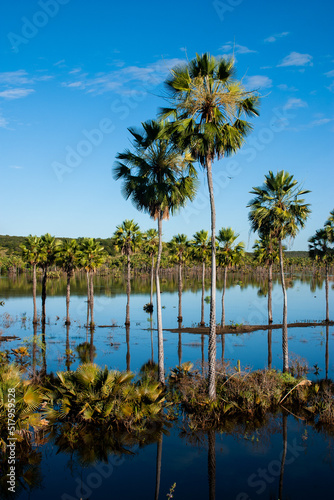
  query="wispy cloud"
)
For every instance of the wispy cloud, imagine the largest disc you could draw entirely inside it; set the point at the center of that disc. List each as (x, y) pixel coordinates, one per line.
(258, 81)
(229, 47)
(287, 88)
(125, 79)
(294, 103)
(17, 93)
(318, 122)
(274, 38)
(3, 122)
(16, 167)
(296, 59)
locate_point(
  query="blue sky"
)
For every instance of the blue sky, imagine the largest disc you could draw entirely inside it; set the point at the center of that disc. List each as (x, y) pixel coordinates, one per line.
(75, 75)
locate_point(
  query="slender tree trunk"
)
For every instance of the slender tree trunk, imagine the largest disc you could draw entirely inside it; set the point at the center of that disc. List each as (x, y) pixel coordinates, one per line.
(91, 346)
(158, 468)
(128, 290)
(203, 292)
(212, 464)
(212, 329)
(285, 447)
(151, 327)
(44, 294)
(270, 291)
(68, 294)
(161, 369)
(327, 352)
(202, 352)
(270, 354)
(91, 301)
(223, 297)
(128, 356)
(285, 313)
(327, 288)
(43, 370)
(152, 280)
(34, 348)
(179, 318)
(88, 298)
(34, 287)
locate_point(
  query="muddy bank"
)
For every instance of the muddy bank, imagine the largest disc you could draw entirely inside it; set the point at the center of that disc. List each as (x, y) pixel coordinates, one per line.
(244, 328)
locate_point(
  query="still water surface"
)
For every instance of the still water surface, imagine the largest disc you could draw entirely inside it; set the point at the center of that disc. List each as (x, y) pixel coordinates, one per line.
(243, 461)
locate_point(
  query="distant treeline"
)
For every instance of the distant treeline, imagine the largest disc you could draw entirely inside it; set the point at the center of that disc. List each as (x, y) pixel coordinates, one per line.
(12, 243)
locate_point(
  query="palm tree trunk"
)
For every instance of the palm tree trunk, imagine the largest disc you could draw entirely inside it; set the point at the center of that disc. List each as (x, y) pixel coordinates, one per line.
(223, 347)
(212, 464)
(44, 294)
(270, 291)
(34, 287)
(128, 290)
(202, 352)
(179, 318)
(151, 327)
(43, 370)
(152, 280)
(223, 297)
(91, 300)
(34, 349)
(285, 313)
(327, 352)
(88, 299)
(91, 346)
(203, 292)
(68, 359)
(68, 293)
(161, 369)
(212, 329)
(179, 347)
(327, 288)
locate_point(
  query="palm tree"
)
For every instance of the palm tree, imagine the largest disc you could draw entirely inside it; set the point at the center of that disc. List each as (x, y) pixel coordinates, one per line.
(179, 248)
(91, 256)
(320, 247)
(127, 239)
(278, 205)
(48, 251)
(201, 250)
(68, 258)
(150, 246)
(208, 105)
(159, 180)
(266, 252)
(31, 254)
(228, 255)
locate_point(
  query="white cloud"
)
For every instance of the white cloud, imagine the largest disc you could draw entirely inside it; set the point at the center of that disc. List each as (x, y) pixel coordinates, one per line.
(318, 122)
(297, 59)
(3, 122)
(19, 77)
(17, 167)
(273, 38)
(285, 87)
(330, 74)
(125, 79)
(236, 49)
(294, 103)
(258, 81)
(15, 93)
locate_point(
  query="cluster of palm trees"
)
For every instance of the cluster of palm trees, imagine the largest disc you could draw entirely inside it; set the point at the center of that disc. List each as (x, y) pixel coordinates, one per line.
(46, 251)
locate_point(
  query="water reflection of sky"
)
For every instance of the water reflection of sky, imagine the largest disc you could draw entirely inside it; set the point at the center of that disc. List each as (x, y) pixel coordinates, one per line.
(243, 305)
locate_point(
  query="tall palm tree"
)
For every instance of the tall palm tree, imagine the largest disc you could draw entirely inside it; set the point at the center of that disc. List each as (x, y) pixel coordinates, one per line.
(150, 247)
(48, 251)
(159, 179)
(266, 252)
(91, 256)
(208, 104)
(68, 257)
(278, 205)
(321, 248)
(229, 255)
(126, 239)
(201, 249)
(179, 248)
(31, 254)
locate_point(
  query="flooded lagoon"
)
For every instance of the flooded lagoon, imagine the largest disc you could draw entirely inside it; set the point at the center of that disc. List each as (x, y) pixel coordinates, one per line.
(279, 457)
